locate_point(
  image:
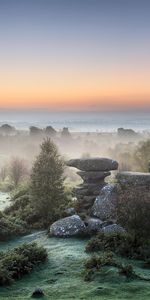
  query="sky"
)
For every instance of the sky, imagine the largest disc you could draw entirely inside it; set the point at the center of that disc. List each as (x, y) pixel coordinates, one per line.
(75, 54)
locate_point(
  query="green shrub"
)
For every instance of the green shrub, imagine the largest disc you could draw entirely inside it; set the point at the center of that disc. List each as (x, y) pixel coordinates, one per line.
(97, 263)
(21, 209)
(18, 204)
(14, 264)
(142, 155)
(48, 198)
(6, 186)
(127, 270)
(133, 209)
(21, 190)
(120, 243)
(11, 227)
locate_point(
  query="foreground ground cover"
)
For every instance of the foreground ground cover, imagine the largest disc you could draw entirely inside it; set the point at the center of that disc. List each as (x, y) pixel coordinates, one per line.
(62, 276)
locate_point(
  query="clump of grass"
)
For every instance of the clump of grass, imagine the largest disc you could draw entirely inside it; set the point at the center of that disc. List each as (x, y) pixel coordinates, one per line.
(14, 264)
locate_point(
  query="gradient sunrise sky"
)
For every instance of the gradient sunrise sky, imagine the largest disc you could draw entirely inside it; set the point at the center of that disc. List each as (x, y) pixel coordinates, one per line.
(74, 54)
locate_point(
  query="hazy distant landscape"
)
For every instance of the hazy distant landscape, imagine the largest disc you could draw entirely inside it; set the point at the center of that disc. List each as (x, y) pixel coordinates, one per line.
(76, 121)
(76, 135)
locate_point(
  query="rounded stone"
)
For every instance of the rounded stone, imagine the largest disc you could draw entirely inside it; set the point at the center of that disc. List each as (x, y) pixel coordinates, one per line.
(93, 164)
(113, 229)
(67, 227)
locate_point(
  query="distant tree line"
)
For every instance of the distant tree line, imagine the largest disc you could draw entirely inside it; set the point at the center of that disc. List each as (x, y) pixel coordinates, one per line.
(7, 129)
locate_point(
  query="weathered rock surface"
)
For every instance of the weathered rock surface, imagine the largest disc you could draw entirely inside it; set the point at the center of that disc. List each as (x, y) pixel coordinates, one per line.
(93, 176)
(67, 227)
(93, 225)
(105, 204)
(90, 189)
(133, 178)
(93, 164)
(114, 228)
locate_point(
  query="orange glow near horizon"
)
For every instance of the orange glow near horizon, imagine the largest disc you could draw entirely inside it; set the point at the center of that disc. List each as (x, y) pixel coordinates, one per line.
(74, 92)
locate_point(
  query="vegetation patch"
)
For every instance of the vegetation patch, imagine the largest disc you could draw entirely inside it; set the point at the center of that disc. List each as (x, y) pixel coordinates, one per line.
(123, 244)
(11, 227)
(99, 262)
(47, 183)
(14, 264)
(133, 209)
(43, 201)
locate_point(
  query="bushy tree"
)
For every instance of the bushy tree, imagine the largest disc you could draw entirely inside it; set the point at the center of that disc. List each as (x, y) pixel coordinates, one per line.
(142, 156)
(50, 131)
(18, 170)
(34, 131)
(3, 172)
(47, 190)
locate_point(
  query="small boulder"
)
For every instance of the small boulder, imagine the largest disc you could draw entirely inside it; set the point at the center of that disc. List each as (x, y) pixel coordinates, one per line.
(114, 228)
(38, 293)
(68, 227)
(104, 206)
(93, 225)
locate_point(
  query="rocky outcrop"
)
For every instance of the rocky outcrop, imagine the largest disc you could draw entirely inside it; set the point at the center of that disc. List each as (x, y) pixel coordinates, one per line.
(73, 226)
(133, 178)
(105, 204)
(68, 227)
(93, 172)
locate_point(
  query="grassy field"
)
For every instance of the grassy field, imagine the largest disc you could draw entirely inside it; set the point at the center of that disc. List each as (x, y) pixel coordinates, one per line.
(62, 276)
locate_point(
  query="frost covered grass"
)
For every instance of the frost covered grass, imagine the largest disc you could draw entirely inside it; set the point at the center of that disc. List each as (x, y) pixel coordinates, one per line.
(61, 277)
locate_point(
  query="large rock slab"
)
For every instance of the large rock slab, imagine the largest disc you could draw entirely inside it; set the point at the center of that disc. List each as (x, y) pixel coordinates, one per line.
(105, 204)
(68, 227)
(134, 178)
(93, 164)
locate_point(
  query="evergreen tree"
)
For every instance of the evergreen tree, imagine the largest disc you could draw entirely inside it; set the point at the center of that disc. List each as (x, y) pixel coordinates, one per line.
(47, 190)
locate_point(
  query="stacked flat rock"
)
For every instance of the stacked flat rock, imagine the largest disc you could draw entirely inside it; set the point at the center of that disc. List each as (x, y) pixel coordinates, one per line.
(93, 172)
